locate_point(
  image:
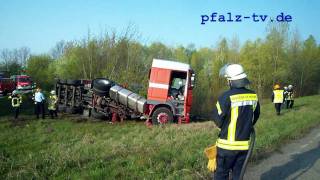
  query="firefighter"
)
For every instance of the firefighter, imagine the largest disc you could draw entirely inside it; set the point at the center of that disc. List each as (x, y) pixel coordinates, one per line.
(277, 98)
(290, 96)
(39, 103)
(16, 101)
(285, 93)
(52, 104)
(236, 112)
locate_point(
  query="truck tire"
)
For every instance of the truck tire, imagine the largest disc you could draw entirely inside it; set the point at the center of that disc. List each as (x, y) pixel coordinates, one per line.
(97, 115)
(102, 84)
(73, 82)
(162, 115)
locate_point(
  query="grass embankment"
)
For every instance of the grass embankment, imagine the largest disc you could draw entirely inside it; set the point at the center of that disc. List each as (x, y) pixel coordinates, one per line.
(88, 150)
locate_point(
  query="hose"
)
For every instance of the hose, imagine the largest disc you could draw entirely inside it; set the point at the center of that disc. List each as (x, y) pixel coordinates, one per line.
(252, 141)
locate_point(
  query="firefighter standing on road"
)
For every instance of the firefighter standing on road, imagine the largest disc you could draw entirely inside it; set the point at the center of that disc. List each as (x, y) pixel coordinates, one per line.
(16, 101)
(39, 103)
(290, 95)
(277, 98)
(52, 104)
(236, 112)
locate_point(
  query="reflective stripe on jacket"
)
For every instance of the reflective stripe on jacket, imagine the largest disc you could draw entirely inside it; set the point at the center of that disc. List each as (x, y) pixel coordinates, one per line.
(289, 95)
(52, 102)
(15, 101)
(278, 96)
(237, 110)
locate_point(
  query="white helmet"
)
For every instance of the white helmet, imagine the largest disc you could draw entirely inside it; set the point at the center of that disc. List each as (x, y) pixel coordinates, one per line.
(53, 92)
(285, 88)
(290, 86)
(233, 72)
(14, 92)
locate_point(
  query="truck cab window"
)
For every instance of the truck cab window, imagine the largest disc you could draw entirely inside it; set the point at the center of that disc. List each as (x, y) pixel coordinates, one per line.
(177, 85)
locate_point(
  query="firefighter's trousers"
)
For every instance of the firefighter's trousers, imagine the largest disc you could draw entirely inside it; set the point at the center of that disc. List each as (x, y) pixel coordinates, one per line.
(278, 107)
(229, 161)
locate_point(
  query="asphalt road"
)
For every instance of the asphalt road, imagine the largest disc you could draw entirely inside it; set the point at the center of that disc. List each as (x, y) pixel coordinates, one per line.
(299, 160)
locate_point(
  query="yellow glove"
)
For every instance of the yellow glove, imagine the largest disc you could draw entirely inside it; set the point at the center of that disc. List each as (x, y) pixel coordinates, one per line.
(212, 165)
(211, 153)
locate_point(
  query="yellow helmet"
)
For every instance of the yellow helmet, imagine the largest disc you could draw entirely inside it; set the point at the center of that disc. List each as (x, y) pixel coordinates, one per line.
(277, 86)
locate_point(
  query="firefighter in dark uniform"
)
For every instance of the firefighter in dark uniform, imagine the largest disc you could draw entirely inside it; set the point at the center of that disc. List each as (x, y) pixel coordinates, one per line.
(52, 104)
(16, 101)
(290, 96)
(277, 98)
(236, 112)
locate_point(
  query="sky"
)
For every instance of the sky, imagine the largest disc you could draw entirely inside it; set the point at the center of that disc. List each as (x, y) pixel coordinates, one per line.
(40, 24)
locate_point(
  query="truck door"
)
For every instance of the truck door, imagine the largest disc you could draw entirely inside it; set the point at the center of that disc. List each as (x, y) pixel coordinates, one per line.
(159, 84)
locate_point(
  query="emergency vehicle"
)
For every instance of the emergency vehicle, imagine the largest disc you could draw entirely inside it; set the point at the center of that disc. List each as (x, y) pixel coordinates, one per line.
(23, 83)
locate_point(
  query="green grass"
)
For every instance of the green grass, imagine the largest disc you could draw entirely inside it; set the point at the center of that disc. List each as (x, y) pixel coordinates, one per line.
(73, 149)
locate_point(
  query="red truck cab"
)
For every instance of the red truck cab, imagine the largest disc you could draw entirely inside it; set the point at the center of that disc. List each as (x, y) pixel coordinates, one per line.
(170, 88)
(23, 82)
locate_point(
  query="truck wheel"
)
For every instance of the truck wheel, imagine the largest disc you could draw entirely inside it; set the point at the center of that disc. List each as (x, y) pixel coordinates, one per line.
(97, 115)
(102, 84)
(162, 115)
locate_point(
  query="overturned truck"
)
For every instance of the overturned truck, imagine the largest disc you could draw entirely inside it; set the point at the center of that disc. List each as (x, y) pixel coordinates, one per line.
(169, 96)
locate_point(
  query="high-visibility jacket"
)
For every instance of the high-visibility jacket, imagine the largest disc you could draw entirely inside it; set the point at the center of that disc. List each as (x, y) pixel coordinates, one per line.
(236, 112)
(278, 96)
(15, 101)
(53, 99)
(290, 95)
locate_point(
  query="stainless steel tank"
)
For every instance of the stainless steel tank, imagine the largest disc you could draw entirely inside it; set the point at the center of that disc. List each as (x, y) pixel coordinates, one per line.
(128, 98)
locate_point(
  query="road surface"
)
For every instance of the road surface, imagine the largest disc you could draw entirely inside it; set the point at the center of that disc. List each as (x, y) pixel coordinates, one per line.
(299, 160)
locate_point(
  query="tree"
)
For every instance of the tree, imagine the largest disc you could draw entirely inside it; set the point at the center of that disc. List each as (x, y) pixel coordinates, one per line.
(38, 69)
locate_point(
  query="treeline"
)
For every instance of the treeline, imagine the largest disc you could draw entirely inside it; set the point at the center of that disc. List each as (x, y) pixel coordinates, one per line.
(281, 57)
